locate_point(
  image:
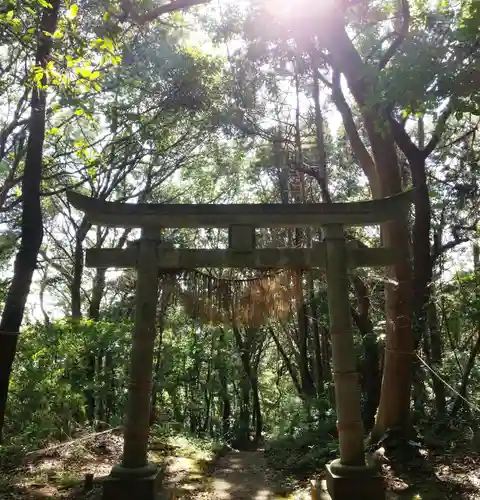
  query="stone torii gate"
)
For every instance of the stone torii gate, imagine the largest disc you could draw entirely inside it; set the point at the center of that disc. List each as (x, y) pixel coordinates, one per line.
(350, 476)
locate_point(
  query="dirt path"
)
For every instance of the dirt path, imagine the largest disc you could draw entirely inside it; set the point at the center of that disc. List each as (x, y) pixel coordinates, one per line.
(240, 475)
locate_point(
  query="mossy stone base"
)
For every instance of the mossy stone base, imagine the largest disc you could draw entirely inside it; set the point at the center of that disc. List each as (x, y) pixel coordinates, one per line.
(133, 484)
(354, 483)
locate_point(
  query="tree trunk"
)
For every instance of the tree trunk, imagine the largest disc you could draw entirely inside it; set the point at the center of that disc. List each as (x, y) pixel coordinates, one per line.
(32, 221)
(436, 355)
(422, 258)
(422, 261)
(326, 357)
(317, 347)
(394, 405)
(226, 409)
(386, 180)
(224, 396)
(97, 294)
(459, 401)
(208, 402)
(95, 393)
(110, 398)
(288, 364)
(308, 387)
(76, 285)
(321, 173)
(159, 357)
(100, 392)
(371, 365)
(257, 409)
(243, 433)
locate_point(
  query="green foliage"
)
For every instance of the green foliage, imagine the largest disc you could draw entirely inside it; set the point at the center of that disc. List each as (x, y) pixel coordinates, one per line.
(303, 454)
(46, 399)
(143, 113)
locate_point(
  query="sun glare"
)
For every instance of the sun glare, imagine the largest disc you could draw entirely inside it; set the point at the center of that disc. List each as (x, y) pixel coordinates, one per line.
(284, 9)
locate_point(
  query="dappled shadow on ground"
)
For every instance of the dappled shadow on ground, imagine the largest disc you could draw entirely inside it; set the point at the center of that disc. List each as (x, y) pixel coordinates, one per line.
(436, 477)
(237, 475)
(241, 475)
(60, 473)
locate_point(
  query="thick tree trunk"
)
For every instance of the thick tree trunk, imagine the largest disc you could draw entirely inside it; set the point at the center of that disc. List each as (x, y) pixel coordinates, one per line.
(394, 405)
(386, 180)
(32, 222)
(422, 261)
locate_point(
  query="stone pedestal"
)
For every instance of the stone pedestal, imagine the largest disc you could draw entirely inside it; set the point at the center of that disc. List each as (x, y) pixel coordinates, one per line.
(133, 484)
(346, 482)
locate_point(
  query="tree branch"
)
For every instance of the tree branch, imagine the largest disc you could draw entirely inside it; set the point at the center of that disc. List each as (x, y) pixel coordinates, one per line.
(464, 136)
(438, 250)
(402, 139)
(440, 127)
(401, 35)
(358, 147)
(172, 6)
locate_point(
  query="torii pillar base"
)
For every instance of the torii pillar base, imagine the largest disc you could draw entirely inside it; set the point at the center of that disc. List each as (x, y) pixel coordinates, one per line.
(346, 482)
(126, 484)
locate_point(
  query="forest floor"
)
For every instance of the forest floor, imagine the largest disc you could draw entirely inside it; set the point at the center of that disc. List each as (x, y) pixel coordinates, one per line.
(197, 471)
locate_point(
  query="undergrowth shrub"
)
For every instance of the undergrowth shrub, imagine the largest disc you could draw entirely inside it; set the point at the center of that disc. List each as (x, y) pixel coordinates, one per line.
(310, 444)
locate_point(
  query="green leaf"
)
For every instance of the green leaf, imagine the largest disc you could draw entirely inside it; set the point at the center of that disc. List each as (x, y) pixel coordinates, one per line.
(72, 12)
(38, 75)
(79, 112)
(45, 4)
(84, 72)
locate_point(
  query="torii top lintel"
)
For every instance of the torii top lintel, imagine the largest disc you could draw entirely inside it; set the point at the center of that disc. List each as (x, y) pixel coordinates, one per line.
(362, 213)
